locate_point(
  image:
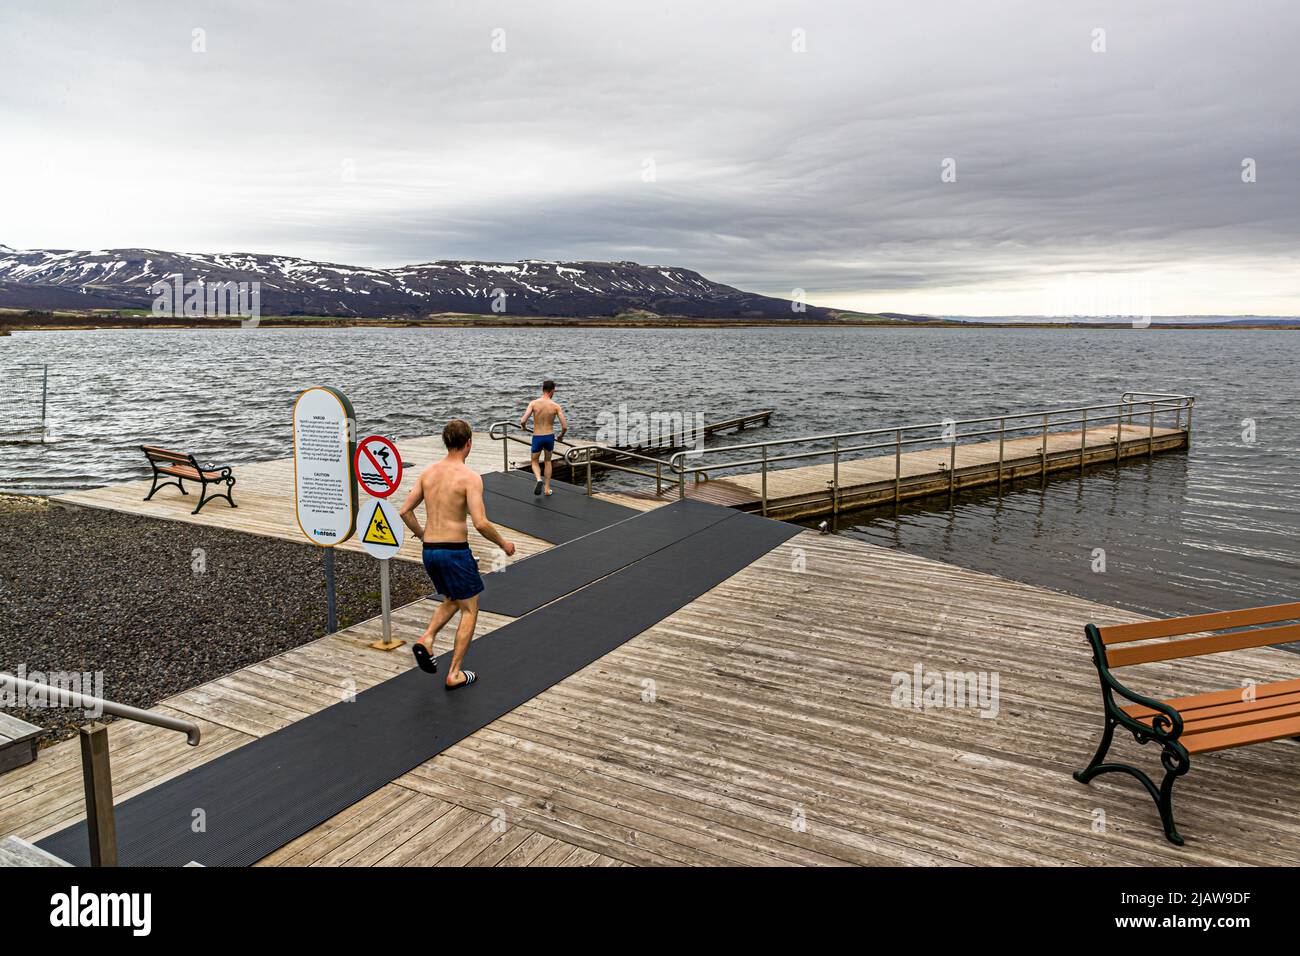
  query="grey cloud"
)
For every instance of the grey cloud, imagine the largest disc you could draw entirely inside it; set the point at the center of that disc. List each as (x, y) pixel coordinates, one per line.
(774, 169)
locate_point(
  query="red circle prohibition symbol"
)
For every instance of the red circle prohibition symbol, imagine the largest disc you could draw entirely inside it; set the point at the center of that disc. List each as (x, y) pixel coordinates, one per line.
(365, 456)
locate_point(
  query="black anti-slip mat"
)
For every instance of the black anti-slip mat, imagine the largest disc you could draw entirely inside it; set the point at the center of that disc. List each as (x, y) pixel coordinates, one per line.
(245, 804)
(549, 575)
(509, 501)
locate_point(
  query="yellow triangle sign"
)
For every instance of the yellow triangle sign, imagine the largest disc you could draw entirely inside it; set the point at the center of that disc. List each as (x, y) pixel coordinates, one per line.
(379, 532)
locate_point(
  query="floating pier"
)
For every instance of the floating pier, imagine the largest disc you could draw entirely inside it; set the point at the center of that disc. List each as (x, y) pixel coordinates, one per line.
(883, 466)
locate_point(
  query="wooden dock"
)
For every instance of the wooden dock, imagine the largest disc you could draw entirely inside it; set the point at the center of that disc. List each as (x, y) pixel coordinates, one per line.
(810, 490)
(761, 724)
(756, 726)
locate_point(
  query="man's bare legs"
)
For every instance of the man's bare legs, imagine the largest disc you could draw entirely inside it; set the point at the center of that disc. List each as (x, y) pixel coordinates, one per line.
(441, 615)
(464, 633)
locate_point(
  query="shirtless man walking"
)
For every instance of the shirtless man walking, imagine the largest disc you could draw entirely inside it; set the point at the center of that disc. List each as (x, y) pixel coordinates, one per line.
(451, 490)
(544, 412)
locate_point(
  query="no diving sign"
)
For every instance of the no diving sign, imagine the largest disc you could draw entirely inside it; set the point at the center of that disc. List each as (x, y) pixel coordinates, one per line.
(379, 466)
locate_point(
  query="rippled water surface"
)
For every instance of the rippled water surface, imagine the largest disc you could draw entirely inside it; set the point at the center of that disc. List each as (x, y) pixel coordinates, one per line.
(1213, 528)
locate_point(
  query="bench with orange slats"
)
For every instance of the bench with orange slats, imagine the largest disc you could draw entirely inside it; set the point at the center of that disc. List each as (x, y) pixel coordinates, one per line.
(182, 467)
(1201, 723)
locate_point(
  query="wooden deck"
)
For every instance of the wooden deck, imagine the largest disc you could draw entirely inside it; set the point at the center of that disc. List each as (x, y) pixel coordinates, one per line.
(805, 491)
(757, 726)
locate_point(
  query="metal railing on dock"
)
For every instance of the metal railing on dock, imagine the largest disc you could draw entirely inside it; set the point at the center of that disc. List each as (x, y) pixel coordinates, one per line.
(504, 432)
(1133, 409)
(615, 457)
(96, 773)
(12, 431)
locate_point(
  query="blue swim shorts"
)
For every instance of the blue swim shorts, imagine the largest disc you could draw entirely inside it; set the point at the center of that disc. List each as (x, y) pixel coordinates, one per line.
(541, 442)
(452, 569)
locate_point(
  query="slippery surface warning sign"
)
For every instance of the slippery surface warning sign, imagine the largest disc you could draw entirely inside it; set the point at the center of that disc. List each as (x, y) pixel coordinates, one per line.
(379, 466)
(382, 531)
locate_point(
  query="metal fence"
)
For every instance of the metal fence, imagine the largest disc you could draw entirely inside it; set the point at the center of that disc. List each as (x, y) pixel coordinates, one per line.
(24, 404)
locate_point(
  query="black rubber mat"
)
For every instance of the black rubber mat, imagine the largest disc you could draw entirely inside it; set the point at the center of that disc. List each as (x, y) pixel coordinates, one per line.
(253, 800)
(509, 500)
(545, 577)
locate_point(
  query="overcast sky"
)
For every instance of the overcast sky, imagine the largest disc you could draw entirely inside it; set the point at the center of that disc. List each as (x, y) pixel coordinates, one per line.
(696, 134)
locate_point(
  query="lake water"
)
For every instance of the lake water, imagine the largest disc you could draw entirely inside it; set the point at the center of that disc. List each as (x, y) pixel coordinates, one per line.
(1213, 528)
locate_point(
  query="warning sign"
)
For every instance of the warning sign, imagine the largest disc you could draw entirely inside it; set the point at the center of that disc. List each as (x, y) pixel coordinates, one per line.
(379, 466)
(384, 531)
(380, 532)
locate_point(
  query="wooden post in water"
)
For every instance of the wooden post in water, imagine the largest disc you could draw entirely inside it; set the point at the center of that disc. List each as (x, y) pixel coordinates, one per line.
(1119, 433)
(1151, 433)
(1043, 476)
(952, 468)
(898, 465)
(1083, 442)
(1002, 440)
(98, 780)
(835, 478)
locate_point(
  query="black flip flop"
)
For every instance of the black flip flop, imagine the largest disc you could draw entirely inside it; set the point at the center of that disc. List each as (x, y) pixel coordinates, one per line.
(424, 658)
(470, 677)
(537, 488)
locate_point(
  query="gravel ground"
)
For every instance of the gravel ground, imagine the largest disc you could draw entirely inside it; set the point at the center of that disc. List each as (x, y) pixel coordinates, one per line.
(96, 591)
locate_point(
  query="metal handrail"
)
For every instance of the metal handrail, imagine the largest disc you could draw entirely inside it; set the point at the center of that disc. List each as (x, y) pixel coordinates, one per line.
(581, 455)
(97, 777)
(88, 702)
(1151, 403)
(676, 462)
(500, 431)
(899, 437)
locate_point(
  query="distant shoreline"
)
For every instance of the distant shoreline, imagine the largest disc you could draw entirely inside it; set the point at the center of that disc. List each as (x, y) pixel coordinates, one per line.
(67, 322)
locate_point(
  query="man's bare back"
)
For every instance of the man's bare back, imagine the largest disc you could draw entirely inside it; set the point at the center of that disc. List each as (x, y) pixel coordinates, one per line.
(445, 487)
(545, 411)
(451, 491)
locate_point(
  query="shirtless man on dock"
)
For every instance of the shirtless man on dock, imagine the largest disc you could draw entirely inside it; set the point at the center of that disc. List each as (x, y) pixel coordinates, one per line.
(544, 411)
(451, 491)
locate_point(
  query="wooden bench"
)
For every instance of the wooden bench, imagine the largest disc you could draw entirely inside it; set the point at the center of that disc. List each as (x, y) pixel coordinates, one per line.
(1201, 723)
(182, 467)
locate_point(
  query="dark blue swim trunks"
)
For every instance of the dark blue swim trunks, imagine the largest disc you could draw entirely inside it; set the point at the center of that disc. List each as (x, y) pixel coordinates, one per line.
(452, 569)
(541, 442)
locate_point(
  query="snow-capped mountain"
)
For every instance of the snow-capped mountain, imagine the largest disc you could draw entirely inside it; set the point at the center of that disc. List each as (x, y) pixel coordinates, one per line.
(121, 278)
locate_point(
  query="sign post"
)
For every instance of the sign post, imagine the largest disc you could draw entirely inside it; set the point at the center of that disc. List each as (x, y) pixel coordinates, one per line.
(325, 488)
(379, 471)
